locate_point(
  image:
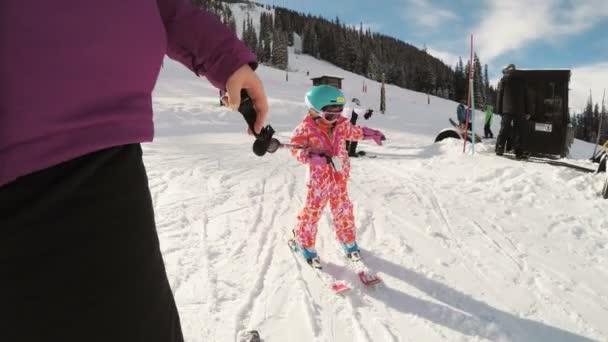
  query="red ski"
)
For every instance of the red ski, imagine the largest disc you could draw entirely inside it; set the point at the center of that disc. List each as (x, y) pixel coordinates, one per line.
(340, 287)
(369, 279)
(337, 286)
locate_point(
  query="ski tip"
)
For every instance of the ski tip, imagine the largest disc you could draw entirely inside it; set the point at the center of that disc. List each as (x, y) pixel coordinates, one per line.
(340, 288)
(369, 279)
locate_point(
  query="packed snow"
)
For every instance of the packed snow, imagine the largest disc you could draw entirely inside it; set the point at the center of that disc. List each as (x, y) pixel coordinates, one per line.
(469, 247)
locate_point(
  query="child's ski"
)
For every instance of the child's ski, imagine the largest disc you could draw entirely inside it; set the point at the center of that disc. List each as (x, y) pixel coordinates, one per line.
(367, 277)
(337, 286)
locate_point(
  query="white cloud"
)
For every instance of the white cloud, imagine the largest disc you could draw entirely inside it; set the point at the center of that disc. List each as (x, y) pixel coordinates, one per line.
(510, 25)
(592, 77)
(424, 14)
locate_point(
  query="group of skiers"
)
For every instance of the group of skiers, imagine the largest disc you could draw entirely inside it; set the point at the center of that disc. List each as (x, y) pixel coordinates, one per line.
(512, 106)
(464, 119)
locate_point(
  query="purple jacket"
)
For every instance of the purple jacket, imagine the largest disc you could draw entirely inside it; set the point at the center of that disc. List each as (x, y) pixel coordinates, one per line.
(77, 76)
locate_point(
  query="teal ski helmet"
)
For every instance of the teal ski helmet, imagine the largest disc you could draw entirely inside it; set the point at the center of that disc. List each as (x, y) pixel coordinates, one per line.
(324, 95)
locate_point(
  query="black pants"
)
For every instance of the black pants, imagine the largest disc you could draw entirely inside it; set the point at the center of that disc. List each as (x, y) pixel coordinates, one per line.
(513, 131)
(351, 146)
(80, 257)
(505, 132)
(487, 131)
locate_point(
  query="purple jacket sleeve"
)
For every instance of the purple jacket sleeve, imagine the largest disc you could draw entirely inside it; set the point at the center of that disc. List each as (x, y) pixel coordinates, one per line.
(200, 41)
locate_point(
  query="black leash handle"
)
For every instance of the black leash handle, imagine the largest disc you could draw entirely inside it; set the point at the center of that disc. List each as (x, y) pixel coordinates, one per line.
(247, 110)
(264, 141)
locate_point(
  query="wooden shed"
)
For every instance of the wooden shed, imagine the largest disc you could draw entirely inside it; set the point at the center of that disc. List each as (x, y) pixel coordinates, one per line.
(329, 80)
(549, 129)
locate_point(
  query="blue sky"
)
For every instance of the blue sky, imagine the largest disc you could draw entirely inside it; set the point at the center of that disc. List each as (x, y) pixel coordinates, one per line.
(570, 34)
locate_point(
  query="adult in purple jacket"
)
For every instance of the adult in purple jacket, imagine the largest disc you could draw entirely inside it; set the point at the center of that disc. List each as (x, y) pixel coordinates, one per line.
(79, 252)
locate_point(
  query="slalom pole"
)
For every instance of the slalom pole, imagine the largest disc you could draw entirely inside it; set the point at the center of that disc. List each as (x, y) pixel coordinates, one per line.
(472, 108)
(466, 126)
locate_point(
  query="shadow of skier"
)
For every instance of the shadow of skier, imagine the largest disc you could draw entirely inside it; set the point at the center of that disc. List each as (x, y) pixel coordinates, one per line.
(461, 312)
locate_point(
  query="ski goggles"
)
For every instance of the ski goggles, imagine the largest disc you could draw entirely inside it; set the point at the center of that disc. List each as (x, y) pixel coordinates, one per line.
(330, 116)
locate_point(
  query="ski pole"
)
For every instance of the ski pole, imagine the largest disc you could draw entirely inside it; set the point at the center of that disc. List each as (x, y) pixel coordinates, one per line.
(275, 144)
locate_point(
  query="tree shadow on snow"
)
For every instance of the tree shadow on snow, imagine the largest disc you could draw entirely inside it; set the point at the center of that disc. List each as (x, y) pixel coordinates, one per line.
(460, 312)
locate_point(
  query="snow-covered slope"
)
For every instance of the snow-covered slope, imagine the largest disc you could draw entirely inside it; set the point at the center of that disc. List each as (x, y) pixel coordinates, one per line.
(242, 11)
(469, 247)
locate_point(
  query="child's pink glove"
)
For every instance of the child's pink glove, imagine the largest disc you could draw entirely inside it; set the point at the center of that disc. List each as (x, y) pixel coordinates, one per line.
(315, 157)
(317, 160)
(373, 134)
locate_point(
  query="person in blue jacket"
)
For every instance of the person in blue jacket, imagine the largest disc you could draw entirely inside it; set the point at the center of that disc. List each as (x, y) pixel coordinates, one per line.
(461, 112)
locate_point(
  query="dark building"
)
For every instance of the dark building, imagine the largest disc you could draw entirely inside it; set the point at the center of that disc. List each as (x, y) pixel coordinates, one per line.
(329, 80)
(549, 128)
(549, 131)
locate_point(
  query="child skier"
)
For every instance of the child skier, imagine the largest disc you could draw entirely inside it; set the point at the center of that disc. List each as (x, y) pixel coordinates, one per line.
(322, 134)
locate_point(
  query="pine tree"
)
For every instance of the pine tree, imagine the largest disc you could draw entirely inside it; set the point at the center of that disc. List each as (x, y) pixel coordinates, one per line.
(285, 50)
(232, 24)
(310, 41)
(460, 81)
(354, 62)
(374, 69)
(279, 50)
(429, 76)
(480, 102)
(587, 121)
(342, 53)
(596, 121)
(275, 59)
(253, 36)
(383, 96)
(360, 62)
(486, 85)
(244, 32)
(264, 43)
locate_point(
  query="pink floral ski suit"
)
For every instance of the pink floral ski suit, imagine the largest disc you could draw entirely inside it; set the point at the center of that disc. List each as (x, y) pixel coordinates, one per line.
(327, 181)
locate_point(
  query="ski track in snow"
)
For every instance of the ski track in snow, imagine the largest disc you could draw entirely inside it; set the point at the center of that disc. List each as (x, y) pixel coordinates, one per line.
(470, 248)
(269, 202)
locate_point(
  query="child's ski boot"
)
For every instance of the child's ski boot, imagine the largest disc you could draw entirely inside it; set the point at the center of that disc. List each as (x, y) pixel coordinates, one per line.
(310, 254)
(352, 250)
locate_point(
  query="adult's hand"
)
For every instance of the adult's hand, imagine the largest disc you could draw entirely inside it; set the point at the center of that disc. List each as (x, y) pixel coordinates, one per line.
(246, 78)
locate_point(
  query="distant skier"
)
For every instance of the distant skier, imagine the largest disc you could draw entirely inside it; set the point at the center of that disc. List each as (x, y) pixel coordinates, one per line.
(461, 113)
(487, 131)
(355, 112)
(323, 132)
